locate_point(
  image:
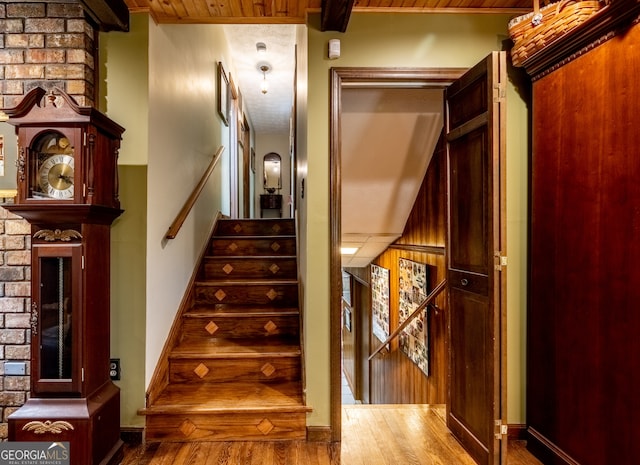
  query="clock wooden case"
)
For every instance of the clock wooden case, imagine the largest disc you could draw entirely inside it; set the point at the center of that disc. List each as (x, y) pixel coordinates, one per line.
(68, 191)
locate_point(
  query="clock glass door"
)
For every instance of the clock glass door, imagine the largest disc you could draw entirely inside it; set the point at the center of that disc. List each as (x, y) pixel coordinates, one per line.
(55, 307)
(52, 170)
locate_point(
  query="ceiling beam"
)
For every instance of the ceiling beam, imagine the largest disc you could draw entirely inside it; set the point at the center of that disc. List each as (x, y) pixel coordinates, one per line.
(109, 15)
(335, 15)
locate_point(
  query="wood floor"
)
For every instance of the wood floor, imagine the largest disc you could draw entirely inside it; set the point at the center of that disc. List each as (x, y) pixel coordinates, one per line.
(371, 435)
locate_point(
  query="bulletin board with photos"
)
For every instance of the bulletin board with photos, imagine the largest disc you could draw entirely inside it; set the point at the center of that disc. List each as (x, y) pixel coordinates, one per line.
(413, 289)
(380, 302)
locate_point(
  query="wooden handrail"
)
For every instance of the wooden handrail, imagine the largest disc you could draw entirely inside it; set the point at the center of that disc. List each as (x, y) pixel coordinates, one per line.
(188, 205)
(404, 324)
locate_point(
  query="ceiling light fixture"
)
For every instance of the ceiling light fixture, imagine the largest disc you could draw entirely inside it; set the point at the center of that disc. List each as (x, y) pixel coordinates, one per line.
(264, 85)
(261, 47)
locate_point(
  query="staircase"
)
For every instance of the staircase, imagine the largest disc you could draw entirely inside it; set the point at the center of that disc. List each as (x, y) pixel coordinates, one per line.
(235, 369)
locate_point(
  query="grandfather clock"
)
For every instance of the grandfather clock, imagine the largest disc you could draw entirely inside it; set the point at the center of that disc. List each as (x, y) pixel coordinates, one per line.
(68, 191)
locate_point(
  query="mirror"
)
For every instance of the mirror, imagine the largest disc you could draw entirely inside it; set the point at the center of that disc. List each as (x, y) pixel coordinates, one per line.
(271, 170)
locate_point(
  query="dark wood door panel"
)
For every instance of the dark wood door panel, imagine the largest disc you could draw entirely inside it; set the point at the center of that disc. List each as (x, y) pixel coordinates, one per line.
(474, 130)
(471, 369)
(469, 202)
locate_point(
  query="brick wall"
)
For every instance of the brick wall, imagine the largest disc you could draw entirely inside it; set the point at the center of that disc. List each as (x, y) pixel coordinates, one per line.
(15, 291)
(48, 45)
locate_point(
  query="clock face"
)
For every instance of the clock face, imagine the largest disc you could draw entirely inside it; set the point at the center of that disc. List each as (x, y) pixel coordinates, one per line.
(53, 167)
(56, 177)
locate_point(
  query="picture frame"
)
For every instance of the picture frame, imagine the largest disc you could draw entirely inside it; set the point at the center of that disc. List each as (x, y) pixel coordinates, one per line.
(222, 89)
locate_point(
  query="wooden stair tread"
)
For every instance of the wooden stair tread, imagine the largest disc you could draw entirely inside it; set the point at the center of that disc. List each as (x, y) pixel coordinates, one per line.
(253, 237)
(246, 282)
(237, 347)
(228, 397)
(239, 311)
(250, 257)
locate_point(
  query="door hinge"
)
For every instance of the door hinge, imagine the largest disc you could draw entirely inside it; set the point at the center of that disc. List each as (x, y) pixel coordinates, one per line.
(500, 260)
(499, 92)
(500, 429)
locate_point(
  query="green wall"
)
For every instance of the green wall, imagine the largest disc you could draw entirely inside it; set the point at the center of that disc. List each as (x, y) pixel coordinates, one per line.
(386, 40)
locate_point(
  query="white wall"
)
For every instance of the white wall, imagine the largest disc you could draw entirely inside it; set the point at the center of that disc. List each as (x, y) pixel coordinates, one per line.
(278, 143)
(184, 133)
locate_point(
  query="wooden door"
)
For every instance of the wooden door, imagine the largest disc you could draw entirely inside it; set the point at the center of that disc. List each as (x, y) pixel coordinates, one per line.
(474, 107)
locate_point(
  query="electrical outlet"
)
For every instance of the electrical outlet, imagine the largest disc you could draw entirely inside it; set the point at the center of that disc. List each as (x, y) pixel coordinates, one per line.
(15, 368)
(114, 369)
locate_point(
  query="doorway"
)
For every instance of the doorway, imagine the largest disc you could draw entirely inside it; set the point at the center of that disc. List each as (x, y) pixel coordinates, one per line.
(340, 79)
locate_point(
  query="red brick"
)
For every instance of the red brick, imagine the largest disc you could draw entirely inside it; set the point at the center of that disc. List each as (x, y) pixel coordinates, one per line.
(14, 243)
(65, 71)
(66, 41)
(80, 56)
(12, 398)
(14, 289)
(16, 383)
(11, 26)
(11, 305)
(11, 56)
(25, 10)
(12, 87)
(24, 72)
(46, 25)
(17, 320)
(78, 25)
(18, 257)
(15, 227)
(12, 336)
(44, 55)
(11, 273)
(18, 353)
(65, 10)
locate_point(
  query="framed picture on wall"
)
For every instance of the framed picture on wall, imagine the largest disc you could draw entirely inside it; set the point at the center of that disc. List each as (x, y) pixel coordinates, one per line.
(223, 94)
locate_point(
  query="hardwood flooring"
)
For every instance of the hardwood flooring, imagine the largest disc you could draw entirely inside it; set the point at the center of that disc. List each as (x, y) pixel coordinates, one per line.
(371, 435)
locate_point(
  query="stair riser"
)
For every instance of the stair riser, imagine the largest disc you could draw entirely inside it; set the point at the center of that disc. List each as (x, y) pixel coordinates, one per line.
(277, 294)
(270, 227)
(226, 427)
(268, 369)
(228, 268)
(251, 247)
(206, 328)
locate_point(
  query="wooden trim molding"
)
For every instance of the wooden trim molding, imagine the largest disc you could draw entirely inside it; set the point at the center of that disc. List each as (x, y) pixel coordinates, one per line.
(420, 248)
(517, 432)
(354, 77)
(546, 450)
(319, 433)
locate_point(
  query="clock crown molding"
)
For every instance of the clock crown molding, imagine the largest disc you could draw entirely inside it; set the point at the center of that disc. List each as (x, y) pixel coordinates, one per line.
(38, 106)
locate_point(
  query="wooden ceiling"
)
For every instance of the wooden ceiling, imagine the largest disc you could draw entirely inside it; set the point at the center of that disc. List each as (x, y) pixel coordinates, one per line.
(335, 13)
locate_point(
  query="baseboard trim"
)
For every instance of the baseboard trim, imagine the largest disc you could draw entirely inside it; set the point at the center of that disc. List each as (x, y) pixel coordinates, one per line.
(545, 450)
(132, 436)
(319, 433)
(517, 432)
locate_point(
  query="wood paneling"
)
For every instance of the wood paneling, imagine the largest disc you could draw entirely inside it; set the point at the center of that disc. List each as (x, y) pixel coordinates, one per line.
(295, 11)
(583, 348)
(394, 377)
